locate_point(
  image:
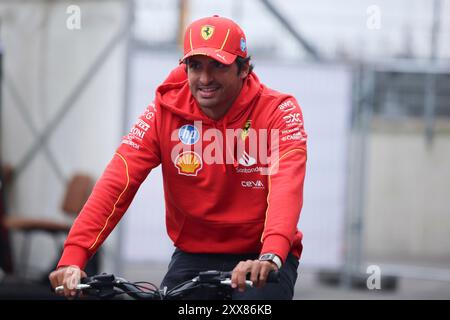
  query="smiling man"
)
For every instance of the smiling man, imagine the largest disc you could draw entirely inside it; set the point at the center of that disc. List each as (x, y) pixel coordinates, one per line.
(214, 85)
(233, 157)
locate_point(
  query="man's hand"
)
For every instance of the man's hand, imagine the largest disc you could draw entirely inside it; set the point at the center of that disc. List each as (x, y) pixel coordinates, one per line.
(258, 269)
(68, 277)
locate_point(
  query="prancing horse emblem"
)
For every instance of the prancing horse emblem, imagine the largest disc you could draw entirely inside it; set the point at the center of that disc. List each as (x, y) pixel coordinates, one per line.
(207, 32)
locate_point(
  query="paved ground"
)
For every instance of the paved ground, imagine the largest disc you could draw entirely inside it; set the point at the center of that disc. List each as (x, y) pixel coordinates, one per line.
(309, 287)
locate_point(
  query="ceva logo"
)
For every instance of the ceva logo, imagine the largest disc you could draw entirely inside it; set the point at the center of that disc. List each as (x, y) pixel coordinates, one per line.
(252, 184)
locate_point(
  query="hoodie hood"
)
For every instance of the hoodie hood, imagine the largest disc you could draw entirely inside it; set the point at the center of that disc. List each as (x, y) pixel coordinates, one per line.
(175, 96)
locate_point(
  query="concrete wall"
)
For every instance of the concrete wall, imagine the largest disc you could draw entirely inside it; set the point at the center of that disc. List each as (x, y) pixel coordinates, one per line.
(407, 214)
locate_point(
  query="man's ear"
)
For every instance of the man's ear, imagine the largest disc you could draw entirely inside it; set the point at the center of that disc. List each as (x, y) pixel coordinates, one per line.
(244, 71)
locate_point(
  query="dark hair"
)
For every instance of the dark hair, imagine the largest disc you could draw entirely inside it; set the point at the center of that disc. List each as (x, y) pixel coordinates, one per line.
(240, 62)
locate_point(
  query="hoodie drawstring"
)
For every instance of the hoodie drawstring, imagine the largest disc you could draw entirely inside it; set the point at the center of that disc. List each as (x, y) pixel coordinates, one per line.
(228, 148)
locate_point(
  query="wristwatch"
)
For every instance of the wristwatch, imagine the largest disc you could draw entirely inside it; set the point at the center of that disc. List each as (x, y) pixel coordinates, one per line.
(271, 257)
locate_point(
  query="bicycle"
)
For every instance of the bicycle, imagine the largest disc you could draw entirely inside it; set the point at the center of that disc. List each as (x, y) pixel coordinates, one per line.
(107, 286)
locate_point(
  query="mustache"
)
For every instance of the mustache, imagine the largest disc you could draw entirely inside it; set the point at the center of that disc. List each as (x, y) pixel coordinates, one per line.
(209, 86)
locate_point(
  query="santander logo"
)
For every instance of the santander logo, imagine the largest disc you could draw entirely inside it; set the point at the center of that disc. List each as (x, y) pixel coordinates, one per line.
(246, 160)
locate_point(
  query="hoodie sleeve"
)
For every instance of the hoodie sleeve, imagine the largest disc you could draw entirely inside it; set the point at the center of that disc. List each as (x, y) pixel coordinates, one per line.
(287, 149)
(138, 153)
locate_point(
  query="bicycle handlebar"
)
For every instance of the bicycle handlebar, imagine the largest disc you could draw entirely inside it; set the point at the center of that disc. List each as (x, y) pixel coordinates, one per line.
(104, 286)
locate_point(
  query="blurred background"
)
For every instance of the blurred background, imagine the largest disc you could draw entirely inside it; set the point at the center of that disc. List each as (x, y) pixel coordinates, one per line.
(373, 81)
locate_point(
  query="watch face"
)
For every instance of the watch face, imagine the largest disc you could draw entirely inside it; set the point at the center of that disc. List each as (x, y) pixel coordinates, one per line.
(266, 256)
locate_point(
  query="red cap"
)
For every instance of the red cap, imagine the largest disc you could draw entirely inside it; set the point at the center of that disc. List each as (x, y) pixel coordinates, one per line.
(216, 37)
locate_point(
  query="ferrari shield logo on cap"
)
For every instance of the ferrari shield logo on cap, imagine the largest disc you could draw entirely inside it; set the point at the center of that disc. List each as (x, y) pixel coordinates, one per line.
(207, 32)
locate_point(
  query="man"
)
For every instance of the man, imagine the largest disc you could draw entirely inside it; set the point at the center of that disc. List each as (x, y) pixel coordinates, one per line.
(233, 156)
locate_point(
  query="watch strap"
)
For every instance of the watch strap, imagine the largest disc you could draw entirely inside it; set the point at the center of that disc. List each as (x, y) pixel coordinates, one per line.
(271, 257)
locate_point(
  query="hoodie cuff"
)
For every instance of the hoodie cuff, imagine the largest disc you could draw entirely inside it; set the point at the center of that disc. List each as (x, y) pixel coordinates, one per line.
(276, 244)
(74, 256)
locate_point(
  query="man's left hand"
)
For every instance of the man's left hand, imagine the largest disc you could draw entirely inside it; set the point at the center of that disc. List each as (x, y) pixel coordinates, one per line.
(258, 270)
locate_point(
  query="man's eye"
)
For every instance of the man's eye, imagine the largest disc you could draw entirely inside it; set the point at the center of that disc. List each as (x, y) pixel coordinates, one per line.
(194, 66)
(219, 65)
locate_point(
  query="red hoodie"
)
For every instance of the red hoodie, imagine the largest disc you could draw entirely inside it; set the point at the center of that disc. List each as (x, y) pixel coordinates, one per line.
(228, 189)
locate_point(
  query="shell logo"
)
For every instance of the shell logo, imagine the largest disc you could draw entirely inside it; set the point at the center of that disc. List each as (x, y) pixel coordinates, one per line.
(188, 163)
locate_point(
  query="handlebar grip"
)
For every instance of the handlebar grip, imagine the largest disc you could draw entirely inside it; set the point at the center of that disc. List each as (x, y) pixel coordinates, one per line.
(78, 287)
(273, 277)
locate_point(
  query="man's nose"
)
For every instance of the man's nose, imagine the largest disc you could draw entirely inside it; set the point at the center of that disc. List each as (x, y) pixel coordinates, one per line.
(206, 77)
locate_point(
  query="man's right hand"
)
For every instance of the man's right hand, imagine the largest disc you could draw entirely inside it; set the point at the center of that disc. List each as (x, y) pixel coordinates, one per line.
(68, 277)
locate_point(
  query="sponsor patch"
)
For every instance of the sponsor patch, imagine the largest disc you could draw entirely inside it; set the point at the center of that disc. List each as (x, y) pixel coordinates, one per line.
(292, 118)
(137, 133)
(243, 45)
(288, 131)
(188, 163)
(244, 133)
(142, 124)
(188, 134)
(253, 184)
(246, 160)
(221, 57)
(287, 106)
(128, 140)
(294, 136)
(207, 32)
(150, 111)
(260, 170)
